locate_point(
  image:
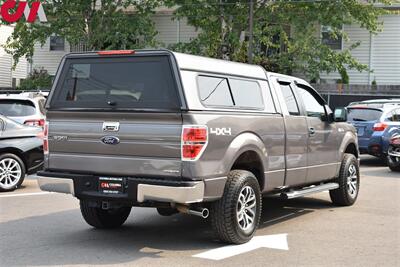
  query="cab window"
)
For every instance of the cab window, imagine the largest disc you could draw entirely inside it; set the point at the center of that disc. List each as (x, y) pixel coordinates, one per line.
(290, 99)
(312, 106)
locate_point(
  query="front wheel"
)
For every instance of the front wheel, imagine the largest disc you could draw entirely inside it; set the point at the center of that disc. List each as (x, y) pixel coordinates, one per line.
(349, 182)
(101, 218)
(12, 172)
(236, 215)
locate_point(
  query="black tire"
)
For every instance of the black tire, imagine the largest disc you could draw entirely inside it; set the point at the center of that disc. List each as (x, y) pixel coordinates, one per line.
(393, 163)
(104, 219)
(166, 211)
(21, 167)
(347, 193)
(223, 212)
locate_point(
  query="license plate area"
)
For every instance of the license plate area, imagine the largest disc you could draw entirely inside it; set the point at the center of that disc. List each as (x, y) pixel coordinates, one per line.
(360, 131)
(111, 185)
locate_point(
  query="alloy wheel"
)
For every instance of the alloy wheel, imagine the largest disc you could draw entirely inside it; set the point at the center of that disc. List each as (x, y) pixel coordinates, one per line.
(246, 209)
(10, 173)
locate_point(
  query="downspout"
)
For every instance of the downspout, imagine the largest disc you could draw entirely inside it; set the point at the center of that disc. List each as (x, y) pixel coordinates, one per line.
(178, 30)
(370, 58)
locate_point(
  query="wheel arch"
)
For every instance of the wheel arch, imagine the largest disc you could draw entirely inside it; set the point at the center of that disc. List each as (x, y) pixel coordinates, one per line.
(249, 154)
(15, 151)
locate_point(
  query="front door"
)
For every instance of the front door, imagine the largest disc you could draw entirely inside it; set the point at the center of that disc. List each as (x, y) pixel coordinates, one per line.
(323, 147)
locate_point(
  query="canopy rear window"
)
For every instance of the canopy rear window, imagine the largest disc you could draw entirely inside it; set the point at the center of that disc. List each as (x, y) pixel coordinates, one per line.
(144, 82)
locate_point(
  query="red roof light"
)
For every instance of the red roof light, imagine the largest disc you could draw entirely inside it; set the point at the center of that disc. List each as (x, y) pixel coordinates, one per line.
(116, 52)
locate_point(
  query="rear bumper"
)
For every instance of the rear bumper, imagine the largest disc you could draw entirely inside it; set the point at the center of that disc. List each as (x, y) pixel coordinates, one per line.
(137, 190)
(59, 185)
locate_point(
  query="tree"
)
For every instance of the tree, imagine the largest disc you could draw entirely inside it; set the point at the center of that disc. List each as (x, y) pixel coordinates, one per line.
(105, 24)
(37, 79)
(286, 35)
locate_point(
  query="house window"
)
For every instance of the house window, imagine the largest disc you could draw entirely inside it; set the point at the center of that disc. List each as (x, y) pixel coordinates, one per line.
(57, 43)
(329, 38)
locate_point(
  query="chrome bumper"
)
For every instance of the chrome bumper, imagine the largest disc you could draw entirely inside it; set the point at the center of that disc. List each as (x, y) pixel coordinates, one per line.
(145, 192)
(162, 193)
(59, 185)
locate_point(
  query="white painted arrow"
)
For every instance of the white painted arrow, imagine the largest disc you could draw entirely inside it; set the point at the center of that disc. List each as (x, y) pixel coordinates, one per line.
(278, 241)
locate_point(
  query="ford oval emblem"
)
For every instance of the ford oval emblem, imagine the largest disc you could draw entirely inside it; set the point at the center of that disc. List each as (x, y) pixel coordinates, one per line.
(110, 140)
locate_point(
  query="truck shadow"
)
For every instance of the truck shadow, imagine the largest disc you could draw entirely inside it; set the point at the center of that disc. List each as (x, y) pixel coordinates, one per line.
(63, 238)
(277, 210)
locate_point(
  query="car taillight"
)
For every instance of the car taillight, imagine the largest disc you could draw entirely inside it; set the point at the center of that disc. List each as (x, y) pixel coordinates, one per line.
(39, 122)
(379, 127)
(46, 138)
(194, 141)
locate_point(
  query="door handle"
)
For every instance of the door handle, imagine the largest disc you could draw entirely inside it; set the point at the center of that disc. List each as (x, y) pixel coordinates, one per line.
(311, 131)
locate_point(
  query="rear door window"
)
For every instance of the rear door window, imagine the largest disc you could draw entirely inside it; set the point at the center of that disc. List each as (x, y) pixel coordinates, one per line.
(290, 99)
(17, 108)
(363, 114)
(142, 82)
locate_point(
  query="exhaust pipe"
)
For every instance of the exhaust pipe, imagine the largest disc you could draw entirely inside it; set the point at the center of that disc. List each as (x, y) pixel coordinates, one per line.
(203, 212)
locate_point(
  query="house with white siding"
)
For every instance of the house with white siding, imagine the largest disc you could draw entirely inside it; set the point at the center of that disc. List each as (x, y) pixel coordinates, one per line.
(8, 76)
(381, 52)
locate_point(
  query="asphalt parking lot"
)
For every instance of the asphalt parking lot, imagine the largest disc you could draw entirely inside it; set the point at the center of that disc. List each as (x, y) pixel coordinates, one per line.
(47, 229)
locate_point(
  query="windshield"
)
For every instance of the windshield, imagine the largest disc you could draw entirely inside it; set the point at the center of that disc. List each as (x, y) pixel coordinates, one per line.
(112, 83)
(16, 108)
(364, 114)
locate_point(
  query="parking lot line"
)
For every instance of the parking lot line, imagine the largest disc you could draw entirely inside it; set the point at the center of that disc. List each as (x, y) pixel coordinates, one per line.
(278, 241)
(26, 194)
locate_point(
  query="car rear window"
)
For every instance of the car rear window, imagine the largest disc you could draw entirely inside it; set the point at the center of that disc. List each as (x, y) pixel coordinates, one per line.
(16, 108)
(142, 82)
(363, 114)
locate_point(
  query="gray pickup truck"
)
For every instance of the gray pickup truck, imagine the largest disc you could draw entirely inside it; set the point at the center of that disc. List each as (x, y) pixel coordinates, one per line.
(189, 134)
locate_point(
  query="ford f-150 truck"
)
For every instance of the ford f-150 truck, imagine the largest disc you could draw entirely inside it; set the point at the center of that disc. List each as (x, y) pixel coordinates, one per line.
(189, 134)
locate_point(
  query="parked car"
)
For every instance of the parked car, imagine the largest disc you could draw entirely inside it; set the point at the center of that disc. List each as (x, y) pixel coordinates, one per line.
(25, 108)
(394, 150)
(378, 103)
(190, 134)
(21, 152)
(373, 126)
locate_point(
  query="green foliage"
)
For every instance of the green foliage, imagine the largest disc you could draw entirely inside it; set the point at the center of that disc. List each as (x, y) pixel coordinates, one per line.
(38, 79)
(100, 25)
(286, 33)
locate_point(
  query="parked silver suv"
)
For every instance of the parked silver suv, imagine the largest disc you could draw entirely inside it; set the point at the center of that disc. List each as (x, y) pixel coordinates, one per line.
(190, 134)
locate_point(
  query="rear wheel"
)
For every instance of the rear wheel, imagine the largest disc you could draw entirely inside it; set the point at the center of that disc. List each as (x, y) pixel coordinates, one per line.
(236, 215)
(349, 182)
(101, 218)
(12, 172)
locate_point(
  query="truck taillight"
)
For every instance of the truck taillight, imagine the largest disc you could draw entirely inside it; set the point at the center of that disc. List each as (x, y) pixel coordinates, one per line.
(194, 141)
(35, 122)
(46, 138)
(379, 127)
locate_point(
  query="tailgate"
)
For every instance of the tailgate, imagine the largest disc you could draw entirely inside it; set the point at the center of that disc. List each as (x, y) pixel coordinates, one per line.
(144, 145)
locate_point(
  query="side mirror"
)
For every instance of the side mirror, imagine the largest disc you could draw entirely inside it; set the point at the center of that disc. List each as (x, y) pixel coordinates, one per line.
(340, 115)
